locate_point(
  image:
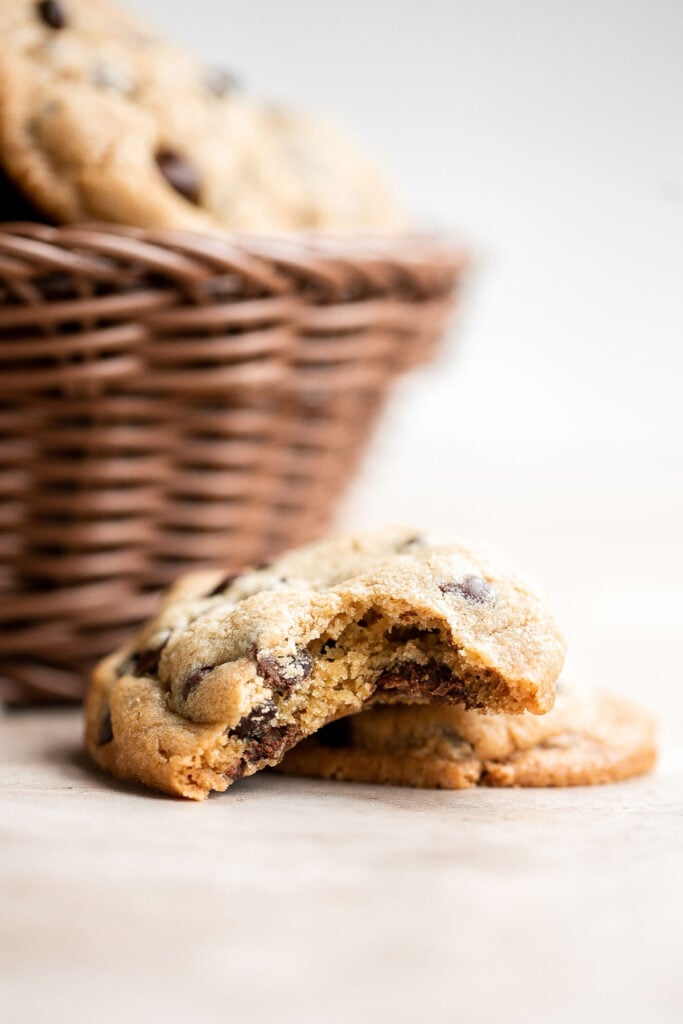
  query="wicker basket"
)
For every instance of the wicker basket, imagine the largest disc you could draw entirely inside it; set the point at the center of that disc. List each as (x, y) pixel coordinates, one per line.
(170, 401)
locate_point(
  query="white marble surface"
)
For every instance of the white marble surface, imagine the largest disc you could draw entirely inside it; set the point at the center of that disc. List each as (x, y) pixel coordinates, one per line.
(287, 900)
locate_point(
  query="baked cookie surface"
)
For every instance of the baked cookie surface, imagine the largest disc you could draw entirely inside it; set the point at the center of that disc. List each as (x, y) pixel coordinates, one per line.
(587, 738)
(102, 119)
(233, 672)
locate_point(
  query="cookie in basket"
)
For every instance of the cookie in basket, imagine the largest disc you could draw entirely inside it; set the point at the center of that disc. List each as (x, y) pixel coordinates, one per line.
(330, 184)
(101, 119)
(233, 672)
(587, 738)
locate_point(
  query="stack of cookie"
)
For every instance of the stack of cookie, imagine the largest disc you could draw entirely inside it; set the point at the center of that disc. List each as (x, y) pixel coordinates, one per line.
(388, 657)
(100, 119)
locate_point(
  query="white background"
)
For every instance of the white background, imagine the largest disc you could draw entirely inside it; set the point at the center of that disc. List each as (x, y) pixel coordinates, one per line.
(548, 136)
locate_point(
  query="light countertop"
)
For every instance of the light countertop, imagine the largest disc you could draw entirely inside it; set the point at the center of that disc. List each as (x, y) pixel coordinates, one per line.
(290, 900)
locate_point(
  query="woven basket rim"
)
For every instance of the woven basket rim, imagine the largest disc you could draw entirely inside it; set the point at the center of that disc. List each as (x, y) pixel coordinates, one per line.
(389, 264)
(409, 245)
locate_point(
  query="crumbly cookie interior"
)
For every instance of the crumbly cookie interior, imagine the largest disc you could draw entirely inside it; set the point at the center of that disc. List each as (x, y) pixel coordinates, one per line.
(387, 659)
(373, 658)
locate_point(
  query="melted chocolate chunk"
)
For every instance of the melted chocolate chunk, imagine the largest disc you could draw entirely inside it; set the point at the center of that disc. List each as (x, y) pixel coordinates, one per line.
(146, 663)
(473, 588)
(272, 742)
(255, 723)
(224, 584)
(237, 772)
(52, 13)
(194, 679)
(220, 83)
(263, 740)
(106, 731)
(179, 173)
(282, 675)
(433, 680)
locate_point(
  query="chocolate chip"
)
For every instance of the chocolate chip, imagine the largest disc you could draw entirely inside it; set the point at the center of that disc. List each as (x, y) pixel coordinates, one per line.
(143, 663)
(146, 663)
(106, 731)
(473, 588)
(194, 679)
(179, 173)
(253, 725)
(262, 739)
(224, 584)
(283, 674)
(272, 742)
(432, 679)
(220, 83)
(305, 661)
(238, 771)
(52, 13)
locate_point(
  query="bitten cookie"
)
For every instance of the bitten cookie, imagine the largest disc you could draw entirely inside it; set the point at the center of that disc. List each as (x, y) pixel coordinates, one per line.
(100, 119)
(587, 738)
(233, 672)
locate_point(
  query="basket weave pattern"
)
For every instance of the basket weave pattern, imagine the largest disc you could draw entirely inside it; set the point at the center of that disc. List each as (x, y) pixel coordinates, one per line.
(170, 401)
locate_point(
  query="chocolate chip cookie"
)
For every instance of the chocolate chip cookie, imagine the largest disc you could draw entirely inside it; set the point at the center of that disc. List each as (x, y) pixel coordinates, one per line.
(587, 738)
(330, 184)
(234, 671)
(102, 119)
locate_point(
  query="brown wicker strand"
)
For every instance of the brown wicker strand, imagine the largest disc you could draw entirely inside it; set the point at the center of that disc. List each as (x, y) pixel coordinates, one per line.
(170, 401)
